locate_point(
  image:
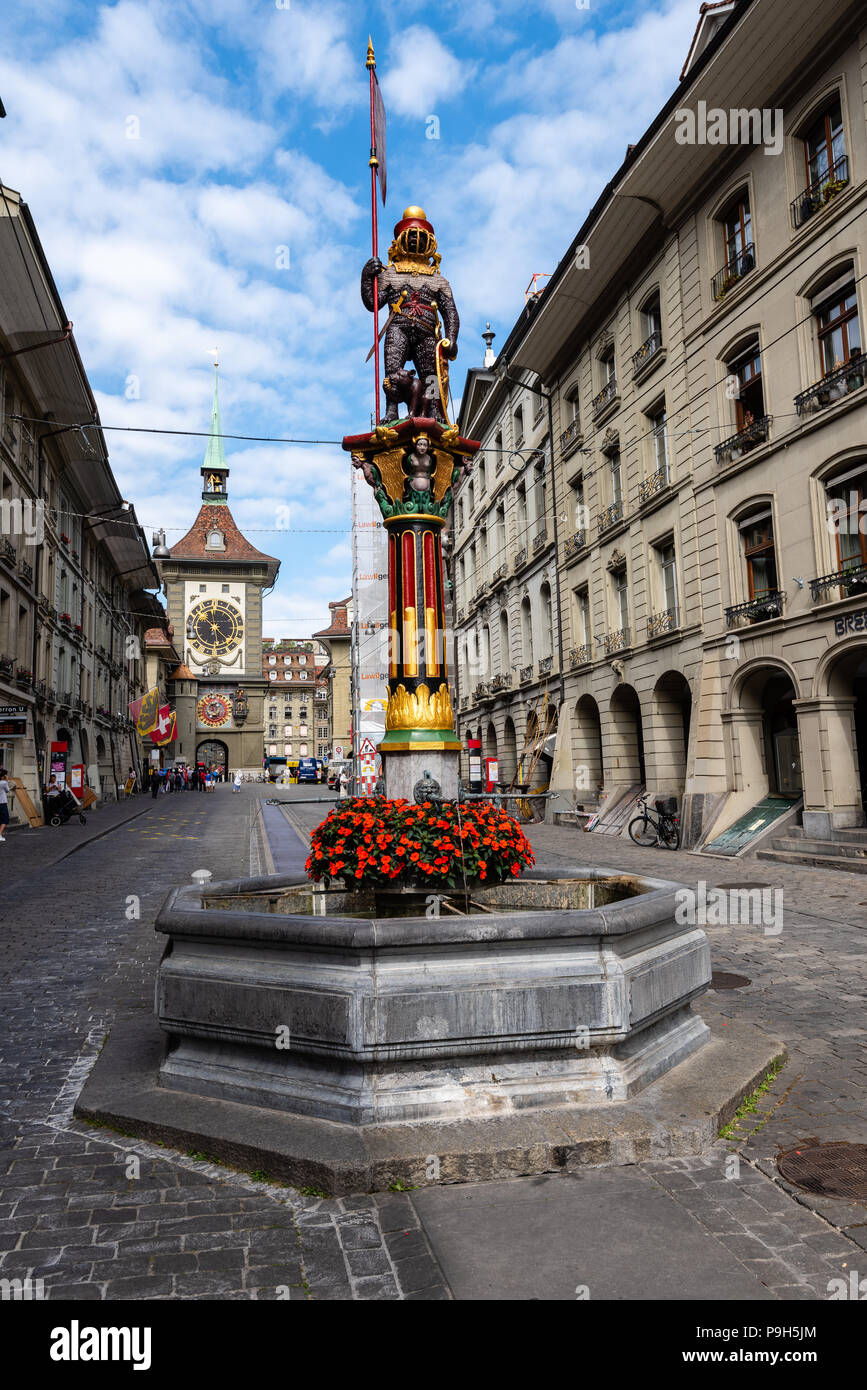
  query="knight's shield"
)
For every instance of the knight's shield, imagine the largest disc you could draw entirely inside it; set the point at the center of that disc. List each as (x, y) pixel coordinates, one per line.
(443, 377)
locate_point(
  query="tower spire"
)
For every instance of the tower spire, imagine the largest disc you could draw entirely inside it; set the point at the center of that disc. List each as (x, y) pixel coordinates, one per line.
(215, 470)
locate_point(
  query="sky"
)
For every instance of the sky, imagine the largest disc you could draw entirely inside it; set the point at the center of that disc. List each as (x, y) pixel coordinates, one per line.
(198, 174)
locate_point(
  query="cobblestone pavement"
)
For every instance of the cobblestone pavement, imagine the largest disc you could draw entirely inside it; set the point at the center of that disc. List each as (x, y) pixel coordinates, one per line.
(74, 1213)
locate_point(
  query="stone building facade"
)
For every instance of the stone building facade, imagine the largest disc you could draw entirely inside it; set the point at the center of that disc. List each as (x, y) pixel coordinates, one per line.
(701, 344)
(75, 569)
(336, 638)
(298, 698)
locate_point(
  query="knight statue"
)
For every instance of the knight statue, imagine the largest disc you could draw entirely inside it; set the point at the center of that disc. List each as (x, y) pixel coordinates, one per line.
(418, 297)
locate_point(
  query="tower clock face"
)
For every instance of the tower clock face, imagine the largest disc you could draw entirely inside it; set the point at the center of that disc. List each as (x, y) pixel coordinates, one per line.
(215, 627)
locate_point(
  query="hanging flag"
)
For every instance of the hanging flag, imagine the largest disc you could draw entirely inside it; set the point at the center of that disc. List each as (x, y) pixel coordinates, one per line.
(166, 730)
(135, 710)
(149, 711)
(379, 132)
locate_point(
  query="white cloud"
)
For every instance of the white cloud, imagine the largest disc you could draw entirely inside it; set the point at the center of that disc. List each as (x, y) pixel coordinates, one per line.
(421, 73)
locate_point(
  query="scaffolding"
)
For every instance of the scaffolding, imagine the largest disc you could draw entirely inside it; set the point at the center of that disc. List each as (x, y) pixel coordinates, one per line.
(369, 644)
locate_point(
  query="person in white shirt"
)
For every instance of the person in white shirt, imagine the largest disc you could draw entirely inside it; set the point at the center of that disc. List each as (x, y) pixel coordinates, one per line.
(5, 790)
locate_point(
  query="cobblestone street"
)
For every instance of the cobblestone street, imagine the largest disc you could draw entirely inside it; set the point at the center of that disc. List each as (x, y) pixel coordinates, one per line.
(96, 1215)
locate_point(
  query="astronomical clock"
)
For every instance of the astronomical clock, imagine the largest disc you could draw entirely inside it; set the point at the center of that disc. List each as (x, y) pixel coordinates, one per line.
(214, 629)
(214, 710)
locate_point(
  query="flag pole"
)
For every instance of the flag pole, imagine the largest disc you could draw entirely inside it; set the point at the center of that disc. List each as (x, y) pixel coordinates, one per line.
(374, 166)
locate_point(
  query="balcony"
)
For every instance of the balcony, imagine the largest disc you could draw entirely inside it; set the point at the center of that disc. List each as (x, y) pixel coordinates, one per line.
(26, 571)
(525, 674)
(501, 682)
(7, 665)
(833, 386)
(605, 399)
(616, 641)
(647, 354)
(850, 581)
(581, 656)
(545, 665)
(759, 610)
(756, 432)
(480, 692)
(540, 541)
(610, 516)
(501, 574)
(733, 271)
(575, 544)
(658, 624)
(571, 437)
(819, 194)
(51, 696)
(65, 699)
(465, 702)
(461, 614)
(521, 559)
(652, 486)
(7, 552)
(24, 677)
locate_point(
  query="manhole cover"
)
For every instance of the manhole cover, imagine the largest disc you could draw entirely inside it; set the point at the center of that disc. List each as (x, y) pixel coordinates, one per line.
(723, 979)
(827, 1170)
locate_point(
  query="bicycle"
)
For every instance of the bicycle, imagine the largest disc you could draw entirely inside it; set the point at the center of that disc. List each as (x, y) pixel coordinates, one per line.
(661, 829)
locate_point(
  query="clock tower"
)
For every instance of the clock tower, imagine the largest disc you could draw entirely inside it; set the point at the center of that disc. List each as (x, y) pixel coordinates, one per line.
(214, 581)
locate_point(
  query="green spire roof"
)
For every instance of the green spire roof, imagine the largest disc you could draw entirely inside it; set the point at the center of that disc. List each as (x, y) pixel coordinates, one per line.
(215, 454)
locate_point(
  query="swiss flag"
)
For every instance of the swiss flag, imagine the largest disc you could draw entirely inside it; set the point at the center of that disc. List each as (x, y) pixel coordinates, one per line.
(165, 729)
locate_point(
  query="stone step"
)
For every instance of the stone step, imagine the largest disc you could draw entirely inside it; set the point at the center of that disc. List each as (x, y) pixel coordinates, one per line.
(839, 848)
(854, 835)
(813, 861)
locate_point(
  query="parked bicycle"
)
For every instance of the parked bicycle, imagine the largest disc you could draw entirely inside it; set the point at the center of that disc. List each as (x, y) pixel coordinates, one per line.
(660, 826)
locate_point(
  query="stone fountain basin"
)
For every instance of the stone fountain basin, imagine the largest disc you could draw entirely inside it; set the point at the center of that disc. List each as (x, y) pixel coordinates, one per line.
(378, 1020)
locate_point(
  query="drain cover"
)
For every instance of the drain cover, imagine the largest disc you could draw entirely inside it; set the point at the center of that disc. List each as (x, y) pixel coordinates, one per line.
(827, 1170)
(723, 979)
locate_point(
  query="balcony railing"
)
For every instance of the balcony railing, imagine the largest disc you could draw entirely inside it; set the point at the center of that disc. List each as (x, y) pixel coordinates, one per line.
(481, 691)
(502, 682)
(7, 551)
(465, 702)
(540, 541)
(616, 641)
(575, 543)
(7, 665)
(823, 191)
(610, 516)
(756, 432)
(734, 270)
(646, 353)
(759, 610)
(461, 614)
(521, 558)
(545, 665)
(580, 656)
(603, 398)
(525, 674)
(667, 620)
(649, 487)
(833, 386)
(501, 573)
(571, 437)
(850, 580)
(25, 569)
(66, 698)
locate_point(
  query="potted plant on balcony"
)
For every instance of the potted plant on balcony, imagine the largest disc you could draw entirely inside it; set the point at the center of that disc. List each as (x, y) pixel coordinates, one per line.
(855, 377)
(66, 618)
(765, 609)
(832, 188)
(854, 581)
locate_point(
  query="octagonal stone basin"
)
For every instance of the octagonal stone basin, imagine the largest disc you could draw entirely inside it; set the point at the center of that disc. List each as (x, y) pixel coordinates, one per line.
(572, 988)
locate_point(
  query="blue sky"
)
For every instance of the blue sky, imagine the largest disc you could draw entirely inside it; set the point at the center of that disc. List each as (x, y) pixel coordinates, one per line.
(170, 151)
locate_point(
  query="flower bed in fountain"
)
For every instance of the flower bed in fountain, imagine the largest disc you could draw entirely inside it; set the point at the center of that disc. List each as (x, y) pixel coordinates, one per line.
(371, 842)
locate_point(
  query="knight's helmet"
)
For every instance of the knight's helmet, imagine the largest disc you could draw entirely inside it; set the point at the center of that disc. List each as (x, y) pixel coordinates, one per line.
(414, 239)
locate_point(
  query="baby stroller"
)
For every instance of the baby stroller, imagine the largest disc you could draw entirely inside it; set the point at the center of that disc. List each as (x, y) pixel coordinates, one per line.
(61, 808)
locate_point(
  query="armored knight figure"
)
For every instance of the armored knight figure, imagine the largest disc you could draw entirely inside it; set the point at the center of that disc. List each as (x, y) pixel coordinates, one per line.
(415, 294)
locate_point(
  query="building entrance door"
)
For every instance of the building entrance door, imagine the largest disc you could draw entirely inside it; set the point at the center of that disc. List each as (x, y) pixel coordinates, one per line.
(787, 754)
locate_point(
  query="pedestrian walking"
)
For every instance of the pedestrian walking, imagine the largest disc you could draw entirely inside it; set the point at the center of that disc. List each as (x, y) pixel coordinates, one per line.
(344, 784)
(5, 792)
(236, 781)
(155, 784)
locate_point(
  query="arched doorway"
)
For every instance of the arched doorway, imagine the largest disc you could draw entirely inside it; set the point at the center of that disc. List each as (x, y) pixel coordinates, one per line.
(509, 755)
(768, 747)
(669, 742)
(844, 689)
(589, 765)
(626, 738)
(213, 753)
